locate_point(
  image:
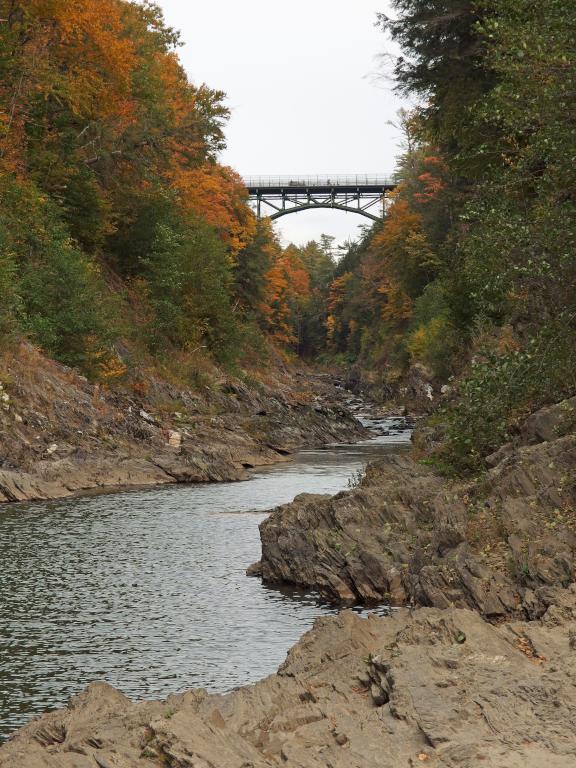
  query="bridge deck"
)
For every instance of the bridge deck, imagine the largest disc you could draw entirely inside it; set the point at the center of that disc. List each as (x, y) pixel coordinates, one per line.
(282, 185)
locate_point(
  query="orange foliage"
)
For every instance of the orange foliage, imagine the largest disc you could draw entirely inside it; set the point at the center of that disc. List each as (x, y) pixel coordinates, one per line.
(93, 60)
(337, 298)
(380, 268)
(287, 286)
(218, 195)
(126, 98)
(337, 294)
(401, 220)
(432, 180)
(73, 54)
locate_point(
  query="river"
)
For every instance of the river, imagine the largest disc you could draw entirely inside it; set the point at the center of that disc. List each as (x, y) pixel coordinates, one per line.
(147, 589)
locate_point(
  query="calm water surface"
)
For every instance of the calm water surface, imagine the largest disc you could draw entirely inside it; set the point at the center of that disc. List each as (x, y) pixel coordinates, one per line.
(146, 589)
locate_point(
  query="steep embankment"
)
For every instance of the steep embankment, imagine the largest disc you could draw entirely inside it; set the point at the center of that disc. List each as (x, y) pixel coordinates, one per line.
(441, 688)
(406, 535)
(61, 435)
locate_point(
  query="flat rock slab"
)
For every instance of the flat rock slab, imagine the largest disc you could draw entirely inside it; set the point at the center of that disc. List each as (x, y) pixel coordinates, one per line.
(431, 687)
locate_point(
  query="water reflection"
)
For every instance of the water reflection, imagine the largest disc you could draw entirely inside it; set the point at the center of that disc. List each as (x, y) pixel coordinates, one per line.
(147, 590)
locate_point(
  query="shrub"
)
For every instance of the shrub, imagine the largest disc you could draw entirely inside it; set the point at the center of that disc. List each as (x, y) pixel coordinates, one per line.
(10, 303)
(67, 310)
(502, 388)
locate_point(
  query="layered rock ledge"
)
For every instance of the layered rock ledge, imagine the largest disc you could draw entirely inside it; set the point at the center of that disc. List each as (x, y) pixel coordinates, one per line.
(408, 536)
(439, 688)
(61, 435)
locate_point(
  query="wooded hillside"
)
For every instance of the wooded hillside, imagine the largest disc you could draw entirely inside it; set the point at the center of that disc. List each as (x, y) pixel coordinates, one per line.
(123, 238)
(473, 273)
(121, 234)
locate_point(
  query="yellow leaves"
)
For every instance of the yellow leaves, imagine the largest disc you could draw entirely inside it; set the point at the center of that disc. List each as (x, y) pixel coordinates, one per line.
(89, 48)
(331, 325)
(417, 343)
(397, 306)
(337, 300)
(110, 369)
(338, 289)
(419, 252)
(400, 222)
(398, 256)
(425, 338)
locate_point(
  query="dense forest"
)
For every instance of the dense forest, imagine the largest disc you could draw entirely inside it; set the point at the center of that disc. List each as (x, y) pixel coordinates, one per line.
(473, 273)
(121, 235)
(123, 239)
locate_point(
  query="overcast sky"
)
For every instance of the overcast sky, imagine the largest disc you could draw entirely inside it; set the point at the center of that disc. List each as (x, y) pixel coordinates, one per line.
(302, 83)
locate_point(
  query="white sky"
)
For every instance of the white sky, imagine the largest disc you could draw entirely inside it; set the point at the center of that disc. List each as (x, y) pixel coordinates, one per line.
(301, 79)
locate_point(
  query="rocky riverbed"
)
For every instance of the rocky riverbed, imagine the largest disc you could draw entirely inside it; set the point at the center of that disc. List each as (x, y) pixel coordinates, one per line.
(61, 435)
(476, 666)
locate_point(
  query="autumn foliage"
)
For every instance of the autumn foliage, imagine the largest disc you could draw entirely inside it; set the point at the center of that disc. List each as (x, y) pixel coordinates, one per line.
(218, 195)
(287, 291)
(109, 161)
(471, 275)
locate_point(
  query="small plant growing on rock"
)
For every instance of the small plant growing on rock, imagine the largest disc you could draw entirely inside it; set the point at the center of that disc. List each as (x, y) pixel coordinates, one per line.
(355, 479)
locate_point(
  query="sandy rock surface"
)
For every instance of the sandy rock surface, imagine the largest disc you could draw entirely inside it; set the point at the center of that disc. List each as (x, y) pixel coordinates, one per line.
(424, 687)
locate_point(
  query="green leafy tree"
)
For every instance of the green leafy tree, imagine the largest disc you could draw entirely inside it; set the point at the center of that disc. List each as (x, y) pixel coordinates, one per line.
(189, 281)
(54, 292)
(251, 267)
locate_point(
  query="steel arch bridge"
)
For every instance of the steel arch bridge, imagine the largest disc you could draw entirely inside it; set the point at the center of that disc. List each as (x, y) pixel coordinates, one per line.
(278, 196)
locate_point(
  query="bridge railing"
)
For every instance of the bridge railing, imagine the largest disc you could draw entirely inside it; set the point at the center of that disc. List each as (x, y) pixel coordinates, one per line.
(296, 180)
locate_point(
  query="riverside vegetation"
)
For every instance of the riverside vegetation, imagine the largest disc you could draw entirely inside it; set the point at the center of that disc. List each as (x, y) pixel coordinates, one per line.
(125, 246)
(130, 258)
(128, 253)
(472, 275)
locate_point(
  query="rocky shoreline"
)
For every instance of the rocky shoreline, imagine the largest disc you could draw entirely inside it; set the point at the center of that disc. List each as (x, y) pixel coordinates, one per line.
(62, 436)
(435, 687)
(500, 545)
(476, 668)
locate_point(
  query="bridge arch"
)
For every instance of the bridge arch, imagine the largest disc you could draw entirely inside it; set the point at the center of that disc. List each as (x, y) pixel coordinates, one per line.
(331, 207)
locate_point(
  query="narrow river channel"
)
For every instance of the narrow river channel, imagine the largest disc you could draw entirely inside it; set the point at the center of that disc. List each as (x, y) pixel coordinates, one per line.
(147, 590)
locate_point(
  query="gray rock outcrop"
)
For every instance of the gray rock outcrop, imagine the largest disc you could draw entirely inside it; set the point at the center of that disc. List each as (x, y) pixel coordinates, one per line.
(409, 536)
(61, 435)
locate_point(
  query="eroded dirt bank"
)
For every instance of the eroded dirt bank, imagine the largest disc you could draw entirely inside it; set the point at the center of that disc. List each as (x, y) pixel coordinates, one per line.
(61, 435)
(408, 536)
(433, 687)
